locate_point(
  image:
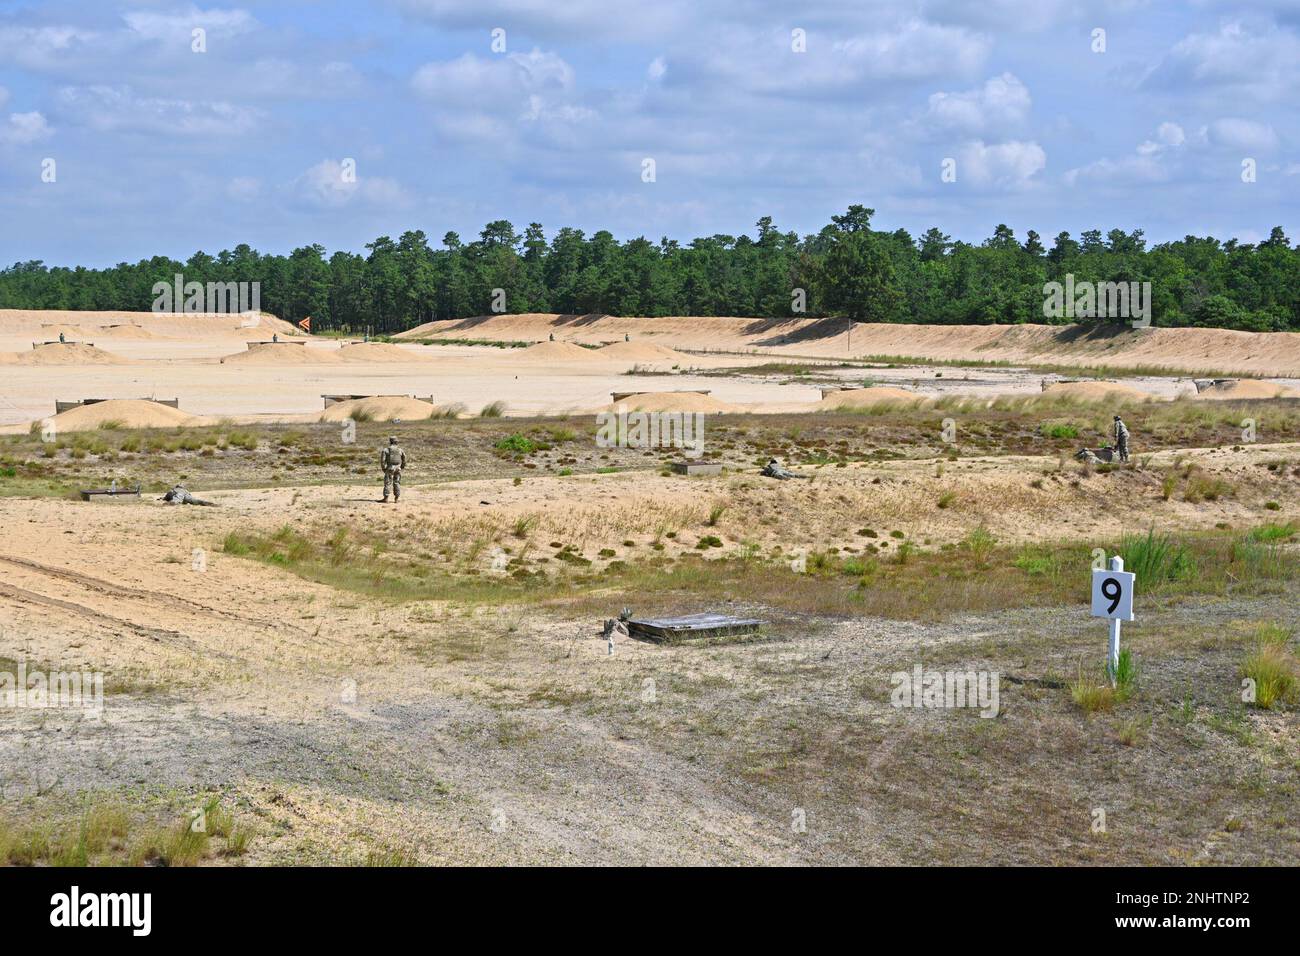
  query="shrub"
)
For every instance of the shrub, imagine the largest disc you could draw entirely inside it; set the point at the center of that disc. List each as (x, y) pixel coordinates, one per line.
(1059, 431)
(517, 443)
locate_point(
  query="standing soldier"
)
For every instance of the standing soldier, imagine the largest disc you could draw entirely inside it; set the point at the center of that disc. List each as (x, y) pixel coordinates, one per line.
(1121, 439)
(392, 459)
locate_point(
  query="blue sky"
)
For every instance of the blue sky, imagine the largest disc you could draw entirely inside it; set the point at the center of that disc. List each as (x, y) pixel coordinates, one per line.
(159, 149)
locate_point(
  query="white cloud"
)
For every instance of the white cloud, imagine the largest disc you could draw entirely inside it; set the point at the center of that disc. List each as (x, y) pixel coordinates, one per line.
(117, 108)
(1150, 162)
(1260, 57)
(176, 27)
(592, 19)
(244, 188)
(1236, 133)
(1137, 169)
(46, 47)
(331, 185)
(1003, 101)
(1170, 134)
(474, 80)
(1008, 165)
(657, 68)
(22, 129)
(916, 50)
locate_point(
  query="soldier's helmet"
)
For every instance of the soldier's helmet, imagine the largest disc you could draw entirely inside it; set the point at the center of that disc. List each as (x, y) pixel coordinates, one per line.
(392, 439)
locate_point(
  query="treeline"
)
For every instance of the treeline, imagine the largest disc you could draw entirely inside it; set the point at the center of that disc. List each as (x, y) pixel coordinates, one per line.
(846, 269)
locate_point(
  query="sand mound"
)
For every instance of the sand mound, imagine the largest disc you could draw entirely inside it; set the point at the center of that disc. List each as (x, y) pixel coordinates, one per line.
(546, 352)
(867, 397)
(379, 408)
(379, 352)
(1096, 392)
(128, 332)
(643, 352)
(8, 358)
(672, 402)
(283, 353)
(129, 412)
(1247, 388)
(70, 353)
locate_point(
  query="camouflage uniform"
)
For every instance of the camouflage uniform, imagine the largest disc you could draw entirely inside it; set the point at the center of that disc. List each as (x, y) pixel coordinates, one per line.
(773, 469)
(177, 495)
(392, 459)
(1121, 439)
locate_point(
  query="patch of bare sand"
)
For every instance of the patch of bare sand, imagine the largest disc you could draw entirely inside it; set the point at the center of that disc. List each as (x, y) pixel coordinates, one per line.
(1096, 392)
(673, 402)
(868, 398)
(128, 412)
(1182, 349)
(546, 352)
(70, 353)
(188, 326)
(283, 353)
(1247, 388)
(380, 352)
(646, 352)
(132, 332)
(379, 408)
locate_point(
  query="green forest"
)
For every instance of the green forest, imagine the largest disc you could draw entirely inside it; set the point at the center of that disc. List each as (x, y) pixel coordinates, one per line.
(846, 269)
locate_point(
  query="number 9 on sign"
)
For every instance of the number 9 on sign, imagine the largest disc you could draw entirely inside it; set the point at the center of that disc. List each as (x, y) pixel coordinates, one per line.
(1112, 594)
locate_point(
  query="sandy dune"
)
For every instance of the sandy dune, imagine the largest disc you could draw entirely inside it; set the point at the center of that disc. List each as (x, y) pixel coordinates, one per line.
(69, 353)
(1095, 391)
(868, 397)
(381, 408)
(1188, 350)
(128, 413)
(1247, 388)
(203, 361)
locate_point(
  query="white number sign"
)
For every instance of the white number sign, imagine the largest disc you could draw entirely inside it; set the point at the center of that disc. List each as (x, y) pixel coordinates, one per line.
(1112, 594)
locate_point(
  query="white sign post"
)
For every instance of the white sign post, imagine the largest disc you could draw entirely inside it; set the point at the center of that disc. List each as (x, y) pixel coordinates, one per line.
(1112, 597)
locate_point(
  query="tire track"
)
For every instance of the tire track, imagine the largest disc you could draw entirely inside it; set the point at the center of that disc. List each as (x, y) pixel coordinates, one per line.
(161, 635)
(160, 597)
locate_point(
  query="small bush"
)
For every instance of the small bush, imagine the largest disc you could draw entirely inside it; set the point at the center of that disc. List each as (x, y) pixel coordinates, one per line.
(493, 410)
(1091, 694)
(1059, 431)
(517, 443)
(1273, 668)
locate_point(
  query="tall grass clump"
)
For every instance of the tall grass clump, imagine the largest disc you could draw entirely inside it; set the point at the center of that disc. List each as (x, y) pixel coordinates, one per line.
(1272, 667)
(1156, 559)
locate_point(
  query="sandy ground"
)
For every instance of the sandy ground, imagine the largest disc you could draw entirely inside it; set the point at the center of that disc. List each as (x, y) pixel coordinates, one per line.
(462, 735)
(465, 733)
(147, 355)
(1188, 350)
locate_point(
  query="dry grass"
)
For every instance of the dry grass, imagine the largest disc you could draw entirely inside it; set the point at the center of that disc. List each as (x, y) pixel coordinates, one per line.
(106, 833)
